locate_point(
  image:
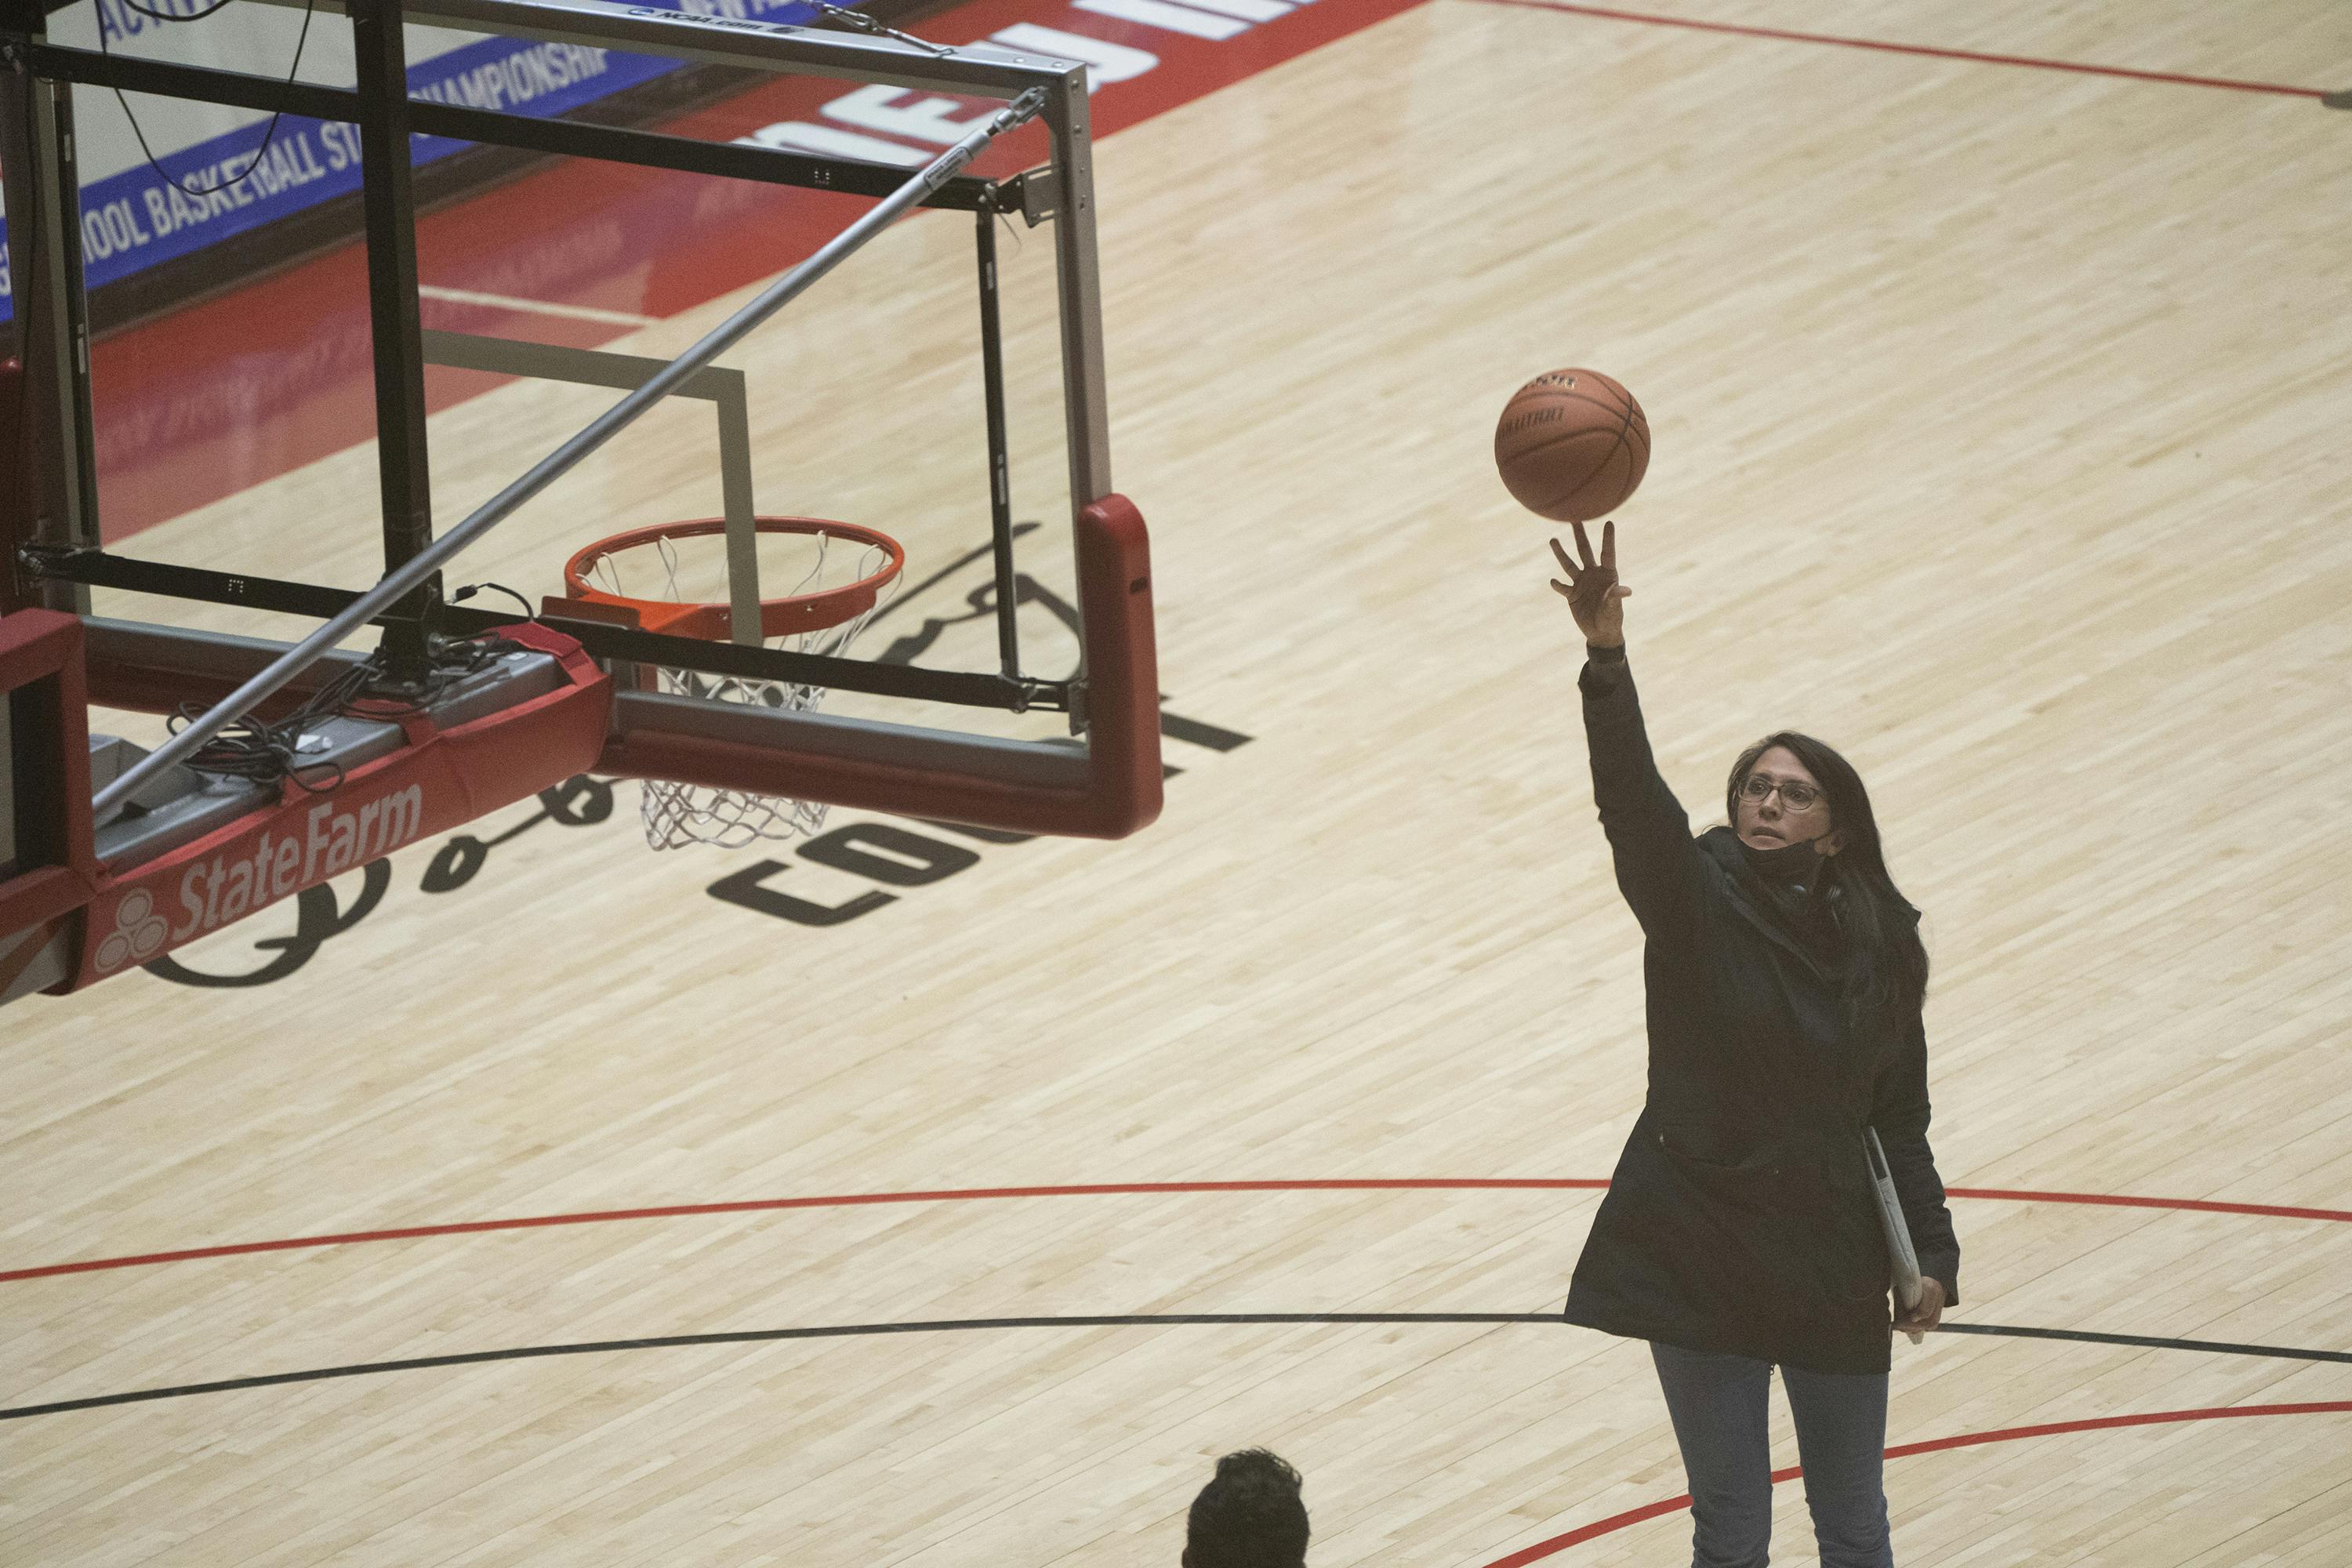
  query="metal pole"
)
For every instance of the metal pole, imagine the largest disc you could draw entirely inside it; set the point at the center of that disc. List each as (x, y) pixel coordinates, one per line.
(1084, 404)
(56, 135)
(380, 56)
(1000, 466)
(423, 564)
(742, 522)
(1085, 409)
(55, 501)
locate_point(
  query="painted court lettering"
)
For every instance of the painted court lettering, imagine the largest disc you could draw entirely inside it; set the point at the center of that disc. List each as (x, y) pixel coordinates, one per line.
(938, 122)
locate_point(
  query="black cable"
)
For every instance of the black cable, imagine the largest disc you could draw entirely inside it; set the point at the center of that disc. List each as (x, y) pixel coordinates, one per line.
(301, 40)
(470, 589)
(248, 748)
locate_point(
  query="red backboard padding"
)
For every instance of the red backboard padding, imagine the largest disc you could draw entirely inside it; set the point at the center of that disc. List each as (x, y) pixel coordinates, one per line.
(440, 779)
(40, 647)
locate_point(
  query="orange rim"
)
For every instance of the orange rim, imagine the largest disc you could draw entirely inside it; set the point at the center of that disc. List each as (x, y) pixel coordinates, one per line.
(715, 623)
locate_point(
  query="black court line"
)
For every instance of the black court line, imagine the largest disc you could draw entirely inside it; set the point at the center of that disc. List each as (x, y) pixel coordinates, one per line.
(1122, 1320)
(2149, 1341)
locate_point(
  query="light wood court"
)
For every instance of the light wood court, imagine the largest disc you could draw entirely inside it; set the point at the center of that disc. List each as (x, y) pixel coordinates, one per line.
(1998, 420)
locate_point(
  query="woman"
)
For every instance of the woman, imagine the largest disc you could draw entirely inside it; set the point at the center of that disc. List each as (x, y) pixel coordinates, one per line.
(1784, 975)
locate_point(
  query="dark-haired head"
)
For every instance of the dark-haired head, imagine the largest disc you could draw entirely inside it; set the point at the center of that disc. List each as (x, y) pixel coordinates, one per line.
(1248, 1516)
(1804, 791)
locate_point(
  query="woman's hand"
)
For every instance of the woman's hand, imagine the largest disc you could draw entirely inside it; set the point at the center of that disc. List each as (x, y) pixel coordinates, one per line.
(1594, 596)
(1927, 1314)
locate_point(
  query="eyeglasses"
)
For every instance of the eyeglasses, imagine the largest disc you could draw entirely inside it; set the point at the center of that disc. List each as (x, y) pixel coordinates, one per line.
(1794, 794)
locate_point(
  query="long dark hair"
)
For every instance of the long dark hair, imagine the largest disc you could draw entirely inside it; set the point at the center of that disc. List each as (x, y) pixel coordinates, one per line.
(1886, 970)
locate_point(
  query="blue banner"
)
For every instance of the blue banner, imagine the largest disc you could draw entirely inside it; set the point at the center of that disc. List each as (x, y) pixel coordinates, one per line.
(132, 220)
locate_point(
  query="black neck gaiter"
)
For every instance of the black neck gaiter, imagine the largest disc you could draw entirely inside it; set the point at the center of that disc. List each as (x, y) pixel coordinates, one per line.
(1795, 867)
(1796, 879)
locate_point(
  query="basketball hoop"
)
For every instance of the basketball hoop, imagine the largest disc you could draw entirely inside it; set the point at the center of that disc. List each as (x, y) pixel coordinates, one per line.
(843, 569)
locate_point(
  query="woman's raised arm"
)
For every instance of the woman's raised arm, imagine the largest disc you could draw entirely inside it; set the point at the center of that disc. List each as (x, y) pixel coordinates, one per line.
(1659, 868)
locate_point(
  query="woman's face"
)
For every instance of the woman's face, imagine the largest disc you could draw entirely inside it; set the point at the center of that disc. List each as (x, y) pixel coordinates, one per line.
(1773, 821)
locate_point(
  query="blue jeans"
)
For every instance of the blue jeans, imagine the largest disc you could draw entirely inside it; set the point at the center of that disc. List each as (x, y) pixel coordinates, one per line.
(1717, 1405)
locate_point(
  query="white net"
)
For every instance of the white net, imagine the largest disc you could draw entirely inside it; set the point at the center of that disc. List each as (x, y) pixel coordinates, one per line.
(676, 815)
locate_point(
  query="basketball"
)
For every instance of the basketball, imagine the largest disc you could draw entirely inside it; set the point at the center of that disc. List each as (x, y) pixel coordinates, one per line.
(1572, 446)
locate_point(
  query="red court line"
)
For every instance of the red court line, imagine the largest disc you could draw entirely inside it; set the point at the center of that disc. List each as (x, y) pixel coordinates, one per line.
(2206, 1205)
(2171, 76)
(1102, 1189)
(1577, 1536)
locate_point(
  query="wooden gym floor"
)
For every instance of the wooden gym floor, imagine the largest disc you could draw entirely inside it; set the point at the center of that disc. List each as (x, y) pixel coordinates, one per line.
(1998, 417)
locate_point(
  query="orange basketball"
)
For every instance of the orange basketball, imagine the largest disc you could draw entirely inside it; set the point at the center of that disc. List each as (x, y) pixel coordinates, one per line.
(1572, 446)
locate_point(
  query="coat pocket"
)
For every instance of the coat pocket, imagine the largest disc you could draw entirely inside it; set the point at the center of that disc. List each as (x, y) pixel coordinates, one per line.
(1784, 1223)
(1707, 1162)
(1846, 1247)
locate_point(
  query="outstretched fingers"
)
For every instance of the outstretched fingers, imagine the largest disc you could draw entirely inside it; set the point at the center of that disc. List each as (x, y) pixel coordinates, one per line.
(1606, 586)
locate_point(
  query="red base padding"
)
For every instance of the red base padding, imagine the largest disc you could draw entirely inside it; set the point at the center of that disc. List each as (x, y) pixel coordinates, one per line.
(55, 872)
(440, 779)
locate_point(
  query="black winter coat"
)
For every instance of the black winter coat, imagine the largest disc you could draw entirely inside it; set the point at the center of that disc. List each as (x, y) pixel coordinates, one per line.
(1741, 1217)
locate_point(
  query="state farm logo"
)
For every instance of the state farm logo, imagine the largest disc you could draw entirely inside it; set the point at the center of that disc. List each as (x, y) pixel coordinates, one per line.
(138, 934)
(260, 868)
